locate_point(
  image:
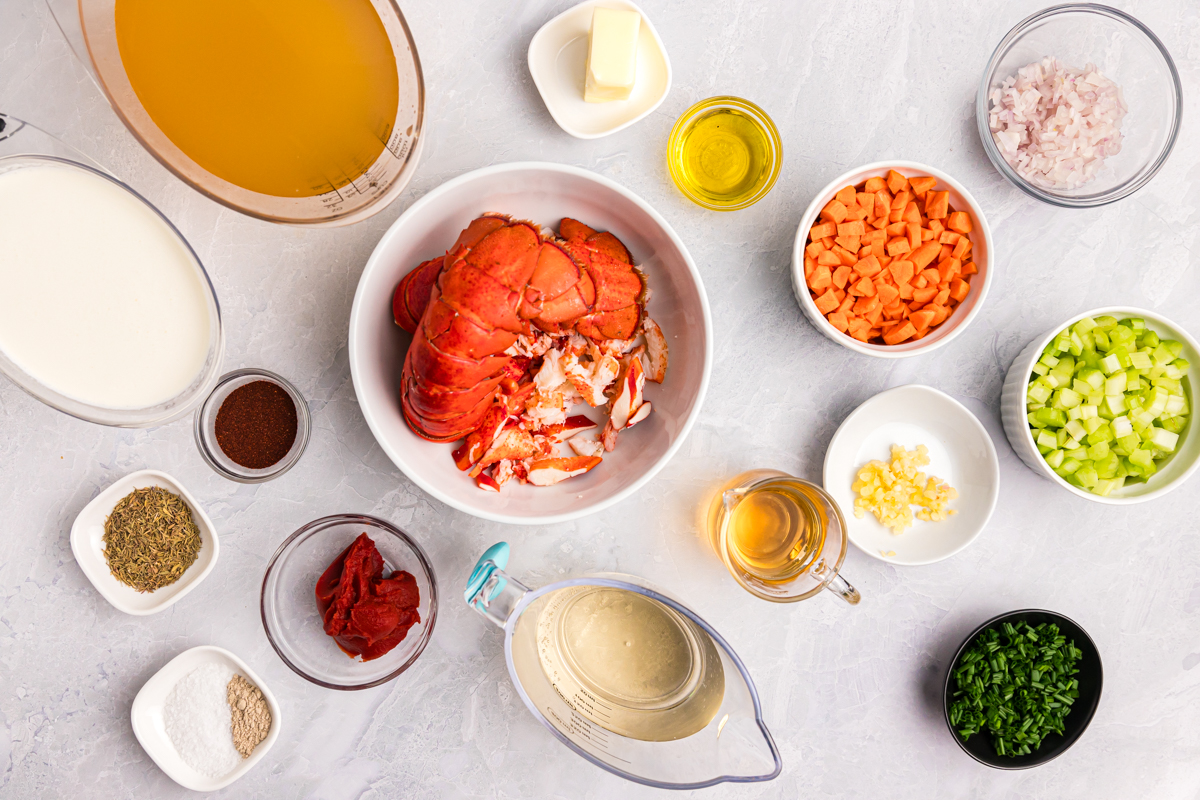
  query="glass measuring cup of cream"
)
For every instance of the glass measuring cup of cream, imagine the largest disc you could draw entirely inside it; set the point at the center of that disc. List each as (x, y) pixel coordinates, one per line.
(782, 538)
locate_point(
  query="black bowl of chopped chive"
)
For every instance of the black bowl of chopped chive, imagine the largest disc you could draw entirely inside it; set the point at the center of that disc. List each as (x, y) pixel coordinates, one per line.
(1022, 689)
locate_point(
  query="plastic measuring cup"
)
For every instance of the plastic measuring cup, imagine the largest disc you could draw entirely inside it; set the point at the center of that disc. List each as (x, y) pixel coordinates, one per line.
(372, 189)
(705, 728)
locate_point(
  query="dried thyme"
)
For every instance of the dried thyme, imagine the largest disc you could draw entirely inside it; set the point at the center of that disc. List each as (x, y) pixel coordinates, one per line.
(150, 539)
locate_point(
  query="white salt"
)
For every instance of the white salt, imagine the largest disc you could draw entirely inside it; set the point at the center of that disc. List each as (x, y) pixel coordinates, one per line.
(199, 722)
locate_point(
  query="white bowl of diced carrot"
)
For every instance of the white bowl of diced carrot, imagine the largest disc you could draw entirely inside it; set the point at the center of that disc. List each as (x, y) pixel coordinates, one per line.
(899, 284)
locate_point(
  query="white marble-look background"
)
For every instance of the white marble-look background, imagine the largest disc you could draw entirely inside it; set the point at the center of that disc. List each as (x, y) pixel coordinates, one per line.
(851, 694)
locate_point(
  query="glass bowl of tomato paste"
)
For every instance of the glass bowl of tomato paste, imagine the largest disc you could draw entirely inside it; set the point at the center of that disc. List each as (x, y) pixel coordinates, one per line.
(343, 634)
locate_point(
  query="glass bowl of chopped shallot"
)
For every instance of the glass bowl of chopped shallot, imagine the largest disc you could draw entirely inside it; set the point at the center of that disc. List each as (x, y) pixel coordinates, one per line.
(1079, 106)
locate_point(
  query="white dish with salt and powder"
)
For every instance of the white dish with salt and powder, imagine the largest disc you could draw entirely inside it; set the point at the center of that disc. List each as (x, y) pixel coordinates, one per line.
(159, 720)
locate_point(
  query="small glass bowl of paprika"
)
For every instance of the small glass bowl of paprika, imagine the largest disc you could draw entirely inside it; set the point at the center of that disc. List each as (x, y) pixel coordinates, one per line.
(253, 427)
(295, 588)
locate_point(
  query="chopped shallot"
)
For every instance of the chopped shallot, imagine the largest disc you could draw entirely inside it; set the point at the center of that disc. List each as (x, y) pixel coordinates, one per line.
(1056, 125)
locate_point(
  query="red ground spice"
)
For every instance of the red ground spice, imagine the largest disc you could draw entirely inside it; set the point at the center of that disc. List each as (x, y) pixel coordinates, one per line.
(256, 425)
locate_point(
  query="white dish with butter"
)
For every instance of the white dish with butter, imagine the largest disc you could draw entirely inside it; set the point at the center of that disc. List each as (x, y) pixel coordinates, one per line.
(558, 55)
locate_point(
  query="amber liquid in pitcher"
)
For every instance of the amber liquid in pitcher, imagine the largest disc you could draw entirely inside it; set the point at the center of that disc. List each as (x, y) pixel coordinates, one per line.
(289, 98)
(775, 531)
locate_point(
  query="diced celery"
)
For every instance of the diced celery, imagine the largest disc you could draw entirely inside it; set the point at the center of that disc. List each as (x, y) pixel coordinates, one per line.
(1076, 429)
(1115, 384)
(1106, 322)
(1148, 339)
(1164, 440)
(1039, 392)
(1084, 325)
(1141, 457)
(1122, 427)
(1074, 413)
(1173, 346)
(1102, 434)
(1141, 360)
(1108, 466)
(1055, 458)
(1098, 451)
(1078, 453)
(1110, 363)
(1137, 324)
(1086, 475)
(1115, 403)
(1068, 466)
(1092, 424)
(1040, 369)
(1068, 398)
(1087, 411)
(1052, 417)
(1049, 359)
(1060, 437)
(1181, 365)
(1046, 441)
(1174, 424)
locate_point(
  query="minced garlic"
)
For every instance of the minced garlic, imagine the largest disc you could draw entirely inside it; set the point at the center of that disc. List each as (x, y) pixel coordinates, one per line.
(889, 490)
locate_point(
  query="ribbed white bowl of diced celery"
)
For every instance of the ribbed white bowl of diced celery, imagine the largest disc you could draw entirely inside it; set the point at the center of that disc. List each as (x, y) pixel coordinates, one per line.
(1102, 405)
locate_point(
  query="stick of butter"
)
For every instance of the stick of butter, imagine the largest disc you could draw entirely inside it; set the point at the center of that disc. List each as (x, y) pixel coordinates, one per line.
(612, 55)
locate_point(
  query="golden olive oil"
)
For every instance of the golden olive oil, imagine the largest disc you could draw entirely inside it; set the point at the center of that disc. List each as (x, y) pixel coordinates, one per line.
(289, 98)
(628, 663)
(775, 531)
(725, 156)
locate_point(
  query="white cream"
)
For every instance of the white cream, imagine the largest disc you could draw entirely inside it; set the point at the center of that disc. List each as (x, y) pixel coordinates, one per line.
(99, 299)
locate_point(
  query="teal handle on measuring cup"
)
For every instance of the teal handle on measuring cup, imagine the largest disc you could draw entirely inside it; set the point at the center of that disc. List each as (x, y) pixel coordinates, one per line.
(494, 558)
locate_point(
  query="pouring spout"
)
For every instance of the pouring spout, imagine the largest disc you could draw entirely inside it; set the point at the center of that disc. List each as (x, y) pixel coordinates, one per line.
(732, 497)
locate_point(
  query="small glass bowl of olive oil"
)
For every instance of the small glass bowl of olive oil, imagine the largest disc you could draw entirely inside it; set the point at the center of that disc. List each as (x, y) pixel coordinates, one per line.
(724, 153)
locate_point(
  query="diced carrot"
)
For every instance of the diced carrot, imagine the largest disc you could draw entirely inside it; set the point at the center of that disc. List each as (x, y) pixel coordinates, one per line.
(865, 287)
(936, 226)
(868, 267)
(927, 235)
(900, 200)
(883, 202)
(866, 200)
(865, 304)
(925, 295)
(874, 237)
(820, 279)
(828, 240)
(932, 276)
(834, 210)
(962, 248)
(946, 251)
(959, 221)
(813, 249)
(922, 319)
(948, 237)
(922, 184)
(846, 196)
(919, 282)
(894, 312)
(937, 204)
(826, 302)
(941, 312)
(914, 236)
(902, 270)
(942, 297)
(840, 276)
(914, 306)
(875, 315)
(847, 258)
(948, 269)
(851, 229)
(924, 255)
(851, 243)
(880, 223)
(906, 291)
(911, 214)
(865, 251)
(828, 258)
(821, 230)
(887, 294)
(896, 215)
(874, 185)
(959, 289)
(897, 228)
(897, 246)
(905, 331)
(810, 264)
(969, 268)
(839, 294)
(838, 320)
(846, 304)
(855, 212)
(896, 182)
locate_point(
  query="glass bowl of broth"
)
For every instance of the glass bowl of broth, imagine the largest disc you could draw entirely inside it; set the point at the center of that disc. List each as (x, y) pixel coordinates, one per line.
(294, 111)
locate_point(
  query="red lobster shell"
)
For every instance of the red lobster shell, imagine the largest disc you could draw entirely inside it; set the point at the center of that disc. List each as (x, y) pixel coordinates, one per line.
(500, 279)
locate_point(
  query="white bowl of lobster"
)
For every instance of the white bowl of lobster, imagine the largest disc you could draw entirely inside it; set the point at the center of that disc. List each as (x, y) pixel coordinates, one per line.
(547, 377)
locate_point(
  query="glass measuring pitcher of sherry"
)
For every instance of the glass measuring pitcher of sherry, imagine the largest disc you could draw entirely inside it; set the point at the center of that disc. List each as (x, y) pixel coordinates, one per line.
(782, 538)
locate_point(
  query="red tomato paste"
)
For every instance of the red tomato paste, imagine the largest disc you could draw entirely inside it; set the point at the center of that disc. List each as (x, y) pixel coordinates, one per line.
(366, 613)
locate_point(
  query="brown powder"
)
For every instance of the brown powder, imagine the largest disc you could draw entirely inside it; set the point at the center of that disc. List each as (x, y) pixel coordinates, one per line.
(256, 424)
(251, 716)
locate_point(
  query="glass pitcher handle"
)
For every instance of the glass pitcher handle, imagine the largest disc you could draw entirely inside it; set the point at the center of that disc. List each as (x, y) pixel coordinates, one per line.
(842, 588)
